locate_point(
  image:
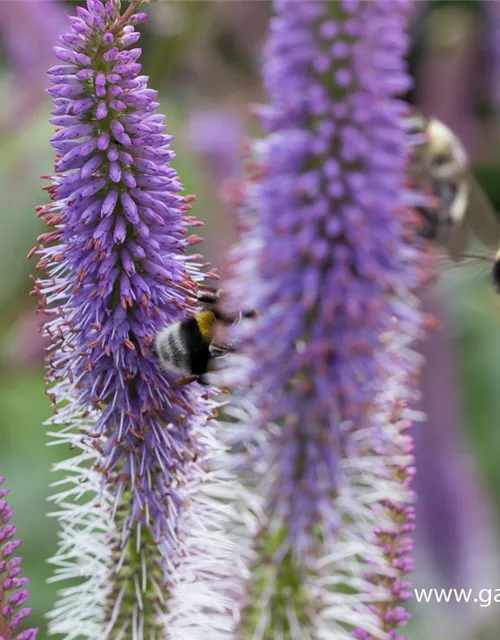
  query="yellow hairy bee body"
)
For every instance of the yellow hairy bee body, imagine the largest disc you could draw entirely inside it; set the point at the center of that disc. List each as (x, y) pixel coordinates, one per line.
(441, 166)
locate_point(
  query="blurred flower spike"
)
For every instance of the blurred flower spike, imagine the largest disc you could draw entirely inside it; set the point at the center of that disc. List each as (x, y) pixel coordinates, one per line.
(13, 594)
(327, 264)
(135, 521)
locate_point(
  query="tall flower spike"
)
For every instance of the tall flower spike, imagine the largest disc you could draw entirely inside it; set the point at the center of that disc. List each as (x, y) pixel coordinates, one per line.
(329, 271)
(131, 503)
(13, 594)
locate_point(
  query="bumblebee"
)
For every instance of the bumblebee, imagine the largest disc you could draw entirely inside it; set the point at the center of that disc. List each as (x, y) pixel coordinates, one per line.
(440, 166)
(189, 347)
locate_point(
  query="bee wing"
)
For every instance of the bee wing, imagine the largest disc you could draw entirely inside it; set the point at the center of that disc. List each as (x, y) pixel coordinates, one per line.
(218, 349)
(474, 212)
(458, 241)
(481, 216)
(469, 264)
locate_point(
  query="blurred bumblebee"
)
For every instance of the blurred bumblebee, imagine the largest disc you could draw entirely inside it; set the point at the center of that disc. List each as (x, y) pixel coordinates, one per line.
(189, 347)
(440, 166)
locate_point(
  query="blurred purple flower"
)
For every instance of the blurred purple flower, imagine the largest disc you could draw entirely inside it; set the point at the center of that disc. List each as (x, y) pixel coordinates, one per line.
(456, 534)
(328, 237)
(13, 595)
(217, 135)
(116, 273)
(29, 28)
(326, 266)
(442, 481)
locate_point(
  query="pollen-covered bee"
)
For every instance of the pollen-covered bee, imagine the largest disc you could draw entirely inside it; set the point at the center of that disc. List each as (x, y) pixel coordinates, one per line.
(440, 166)
(190, 346)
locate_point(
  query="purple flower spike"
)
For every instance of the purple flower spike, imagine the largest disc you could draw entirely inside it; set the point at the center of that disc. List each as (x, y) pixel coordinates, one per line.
(12, 596)
(216, 134)
(329, 268)
(329, 238)
(135, 523)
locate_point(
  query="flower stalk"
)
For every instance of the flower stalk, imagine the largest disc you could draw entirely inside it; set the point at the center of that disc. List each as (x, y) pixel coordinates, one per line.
(123, 20)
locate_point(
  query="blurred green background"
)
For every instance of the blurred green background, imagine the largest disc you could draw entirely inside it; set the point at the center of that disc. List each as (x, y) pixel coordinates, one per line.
(204, 58)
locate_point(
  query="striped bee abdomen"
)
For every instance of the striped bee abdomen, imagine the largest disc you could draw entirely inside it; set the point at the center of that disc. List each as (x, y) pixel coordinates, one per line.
(189, 347)
(199, 348)
(183, 349)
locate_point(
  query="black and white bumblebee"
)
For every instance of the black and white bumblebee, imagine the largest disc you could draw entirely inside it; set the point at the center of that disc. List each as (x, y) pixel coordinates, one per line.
(189, 347)
(441, 166)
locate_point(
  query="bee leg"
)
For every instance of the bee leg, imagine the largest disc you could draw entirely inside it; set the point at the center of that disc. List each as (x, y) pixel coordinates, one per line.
(428, 232)
(201, 380)
(208, 296)
(180, 382)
